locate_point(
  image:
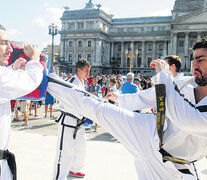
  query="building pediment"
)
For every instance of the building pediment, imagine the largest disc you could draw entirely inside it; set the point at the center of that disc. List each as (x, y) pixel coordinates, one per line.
(193, 18)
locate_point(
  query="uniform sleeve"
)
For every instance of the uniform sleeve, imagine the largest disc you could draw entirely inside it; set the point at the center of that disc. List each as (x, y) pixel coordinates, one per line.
(17, 83)
(137, 101)
(179, 110)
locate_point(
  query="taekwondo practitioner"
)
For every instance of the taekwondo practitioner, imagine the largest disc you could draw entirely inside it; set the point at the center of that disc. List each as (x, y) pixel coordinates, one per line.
(175, 66)
(71, 145)
(159, 152)
(16, 80)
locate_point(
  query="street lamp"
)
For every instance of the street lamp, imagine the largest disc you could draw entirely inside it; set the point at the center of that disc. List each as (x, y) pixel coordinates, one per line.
(53, 30)
(130, 54)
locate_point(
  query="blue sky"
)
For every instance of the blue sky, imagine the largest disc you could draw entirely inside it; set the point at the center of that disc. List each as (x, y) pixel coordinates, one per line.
(28, 21)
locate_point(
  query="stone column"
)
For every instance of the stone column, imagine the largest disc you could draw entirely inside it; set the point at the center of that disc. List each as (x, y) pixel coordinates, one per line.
(61, 48)
(165, 49)
(143, 63)
(95, 49)
(122, 54)
(75, 56)
(112, 49)
(154, 50)
(125, 58)
(174, 45)
(84, 49)
(186, 50)
(198, 35)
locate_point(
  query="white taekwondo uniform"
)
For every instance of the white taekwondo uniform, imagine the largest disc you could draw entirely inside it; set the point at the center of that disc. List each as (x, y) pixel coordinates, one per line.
(70, 154)
(14, 84)
(185, 136)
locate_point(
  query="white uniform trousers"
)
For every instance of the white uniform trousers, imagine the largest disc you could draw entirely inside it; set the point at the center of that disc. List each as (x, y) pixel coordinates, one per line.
(136, 132)
(5, 172)
(70, 154)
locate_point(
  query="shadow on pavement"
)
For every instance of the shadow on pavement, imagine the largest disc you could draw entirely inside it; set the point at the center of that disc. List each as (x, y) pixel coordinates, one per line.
(34, 127)
(204, 171)
(104, 137)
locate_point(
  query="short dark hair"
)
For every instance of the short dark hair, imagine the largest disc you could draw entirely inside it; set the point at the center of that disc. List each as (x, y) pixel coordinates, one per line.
(2, 27)
(200, 44)
(82, 63)
(113, 80)
(172, 59)
(136, 79)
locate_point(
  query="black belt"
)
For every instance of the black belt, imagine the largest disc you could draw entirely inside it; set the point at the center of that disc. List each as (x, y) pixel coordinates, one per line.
(167, 157)
(11, 161)
(79, 122)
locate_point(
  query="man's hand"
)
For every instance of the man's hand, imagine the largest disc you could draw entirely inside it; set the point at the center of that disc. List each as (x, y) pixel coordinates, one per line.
(20, 63)
(159, 65)
(112, 96)
(32, 52)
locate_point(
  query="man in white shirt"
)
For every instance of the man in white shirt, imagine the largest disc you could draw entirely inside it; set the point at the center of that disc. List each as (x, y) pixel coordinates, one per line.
(185, 136)
(16, 80)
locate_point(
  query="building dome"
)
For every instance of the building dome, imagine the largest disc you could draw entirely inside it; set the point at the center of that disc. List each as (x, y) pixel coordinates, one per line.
(182, 7)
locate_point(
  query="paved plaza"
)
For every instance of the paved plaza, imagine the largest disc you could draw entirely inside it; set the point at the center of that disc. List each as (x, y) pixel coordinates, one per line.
(106, 158)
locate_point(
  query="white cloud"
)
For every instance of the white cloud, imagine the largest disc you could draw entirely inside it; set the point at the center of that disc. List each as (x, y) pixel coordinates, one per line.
(163, 12)
(39, 21)
(50, 15)
(54, 14)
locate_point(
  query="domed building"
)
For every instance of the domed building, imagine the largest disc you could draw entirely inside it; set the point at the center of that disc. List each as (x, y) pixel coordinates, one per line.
(95, 35)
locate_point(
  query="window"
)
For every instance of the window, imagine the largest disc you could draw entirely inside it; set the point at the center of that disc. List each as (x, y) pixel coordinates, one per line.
(70, 58)
(122, 29)
(181, 43)
(139, 61)
(128, 29)
(163, 28)
(152, 28)
(89, 43)
(119, 47)
(89, 57)
(139, 47)
(132, 29)
(80, 25)
(71, 25)
(149, 60)
(192, 43)
(79, 56)
(79, 43)
(160, 46)
(142, 29)
(150, 47)
(119, 30)
(70, 43)
(159, 29)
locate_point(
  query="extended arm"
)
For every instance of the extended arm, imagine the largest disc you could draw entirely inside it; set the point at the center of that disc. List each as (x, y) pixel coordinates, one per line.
(140, 100)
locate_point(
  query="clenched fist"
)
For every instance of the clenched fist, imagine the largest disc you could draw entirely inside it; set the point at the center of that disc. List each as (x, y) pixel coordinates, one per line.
(32, 52)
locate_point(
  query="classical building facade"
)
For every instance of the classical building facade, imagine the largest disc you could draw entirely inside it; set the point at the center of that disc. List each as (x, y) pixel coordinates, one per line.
(95, 35)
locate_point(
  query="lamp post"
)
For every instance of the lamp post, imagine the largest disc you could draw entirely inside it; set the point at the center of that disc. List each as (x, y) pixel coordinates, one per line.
(130, 54)
(53, 30)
